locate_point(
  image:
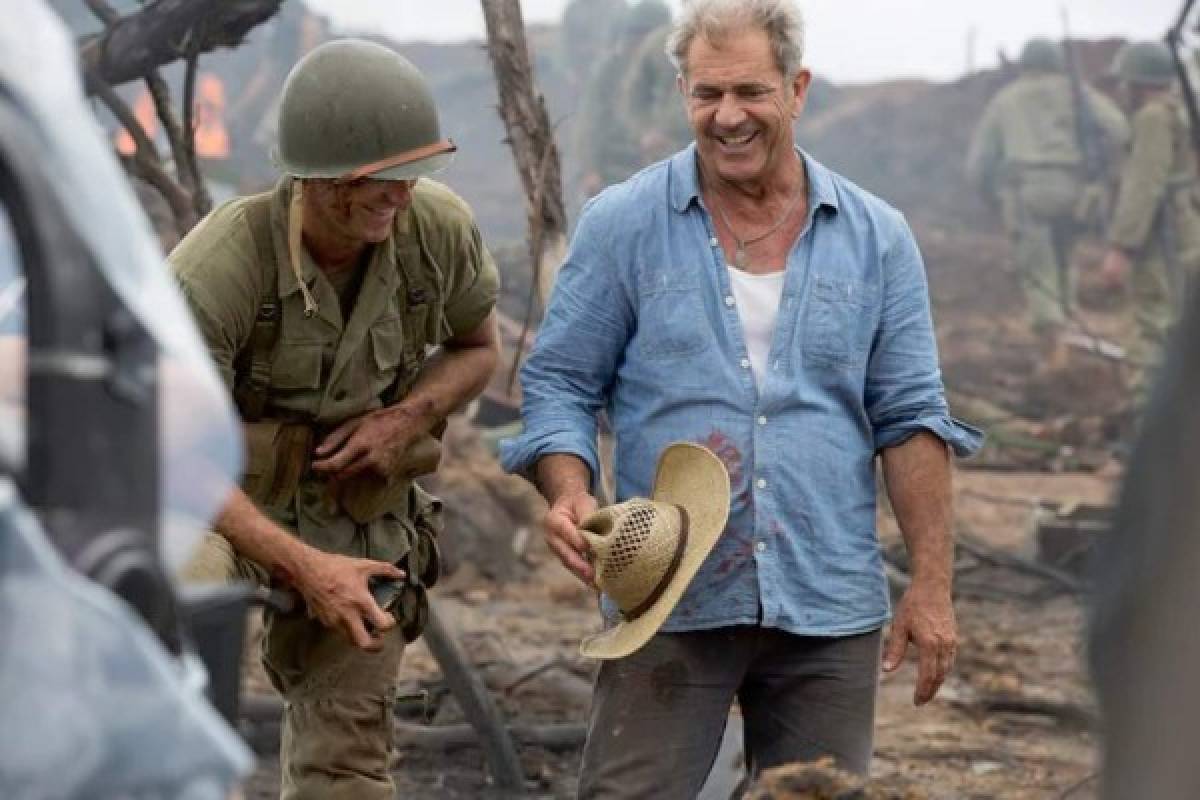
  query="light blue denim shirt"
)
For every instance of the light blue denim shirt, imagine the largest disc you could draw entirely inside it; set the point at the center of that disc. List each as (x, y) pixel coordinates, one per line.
(643, 324)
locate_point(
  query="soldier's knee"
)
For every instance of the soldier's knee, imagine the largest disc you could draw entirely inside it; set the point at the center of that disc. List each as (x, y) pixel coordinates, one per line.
(338, 745)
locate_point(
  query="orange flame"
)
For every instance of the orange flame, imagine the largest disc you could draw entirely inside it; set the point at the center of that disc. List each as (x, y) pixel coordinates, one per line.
(143, 110)
(212, 140)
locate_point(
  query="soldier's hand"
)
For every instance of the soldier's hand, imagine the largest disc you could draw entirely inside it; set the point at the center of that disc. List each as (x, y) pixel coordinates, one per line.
(375, 441)
(1115, 269)
(335, 590)
(561, 528)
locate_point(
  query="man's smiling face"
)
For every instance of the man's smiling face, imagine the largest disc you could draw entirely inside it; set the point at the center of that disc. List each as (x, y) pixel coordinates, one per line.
(361, 210)
(740, 105)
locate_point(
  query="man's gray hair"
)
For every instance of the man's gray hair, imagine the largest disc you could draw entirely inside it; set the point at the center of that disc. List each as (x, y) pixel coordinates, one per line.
(715, 19)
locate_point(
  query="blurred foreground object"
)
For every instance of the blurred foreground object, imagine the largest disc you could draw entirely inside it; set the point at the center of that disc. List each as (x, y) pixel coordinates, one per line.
(130, 447)
(821, 780)
(1145, 644)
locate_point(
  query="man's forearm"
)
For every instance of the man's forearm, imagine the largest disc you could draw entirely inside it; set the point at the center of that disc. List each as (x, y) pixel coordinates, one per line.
(560, 474)
(255, 536)
(917, 475)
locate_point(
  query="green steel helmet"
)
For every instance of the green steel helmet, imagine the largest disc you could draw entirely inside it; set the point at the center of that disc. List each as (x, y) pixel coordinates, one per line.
(1145, 63)
(353, 109)
(1042, 55)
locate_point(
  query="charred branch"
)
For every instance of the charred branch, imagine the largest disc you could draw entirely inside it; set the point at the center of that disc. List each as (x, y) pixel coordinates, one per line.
(145, 161)
(531, 138)
(167, 31)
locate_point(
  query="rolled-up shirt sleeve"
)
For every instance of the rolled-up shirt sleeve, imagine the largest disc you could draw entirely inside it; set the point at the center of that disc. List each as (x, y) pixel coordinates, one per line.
(904, 392)
(566, 381)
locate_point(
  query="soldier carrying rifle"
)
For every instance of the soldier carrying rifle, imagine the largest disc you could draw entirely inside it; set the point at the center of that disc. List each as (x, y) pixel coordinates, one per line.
(1154, 234)
(1028, 156)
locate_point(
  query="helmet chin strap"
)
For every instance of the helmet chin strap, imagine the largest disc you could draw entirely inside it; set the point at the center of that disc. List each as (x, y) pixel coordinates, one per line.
(295, 243)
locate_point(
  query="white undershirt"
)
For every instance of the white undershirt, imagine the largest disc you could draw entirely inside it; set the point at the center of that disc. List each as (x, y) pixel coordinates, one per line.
(757, 298)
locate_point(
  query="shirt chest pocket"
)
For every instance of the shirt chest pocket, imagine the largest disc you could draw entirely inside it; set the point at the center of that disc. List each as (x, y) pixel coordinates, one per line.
(837, 330)
(671, 319)
(387, 351)
(297, 365)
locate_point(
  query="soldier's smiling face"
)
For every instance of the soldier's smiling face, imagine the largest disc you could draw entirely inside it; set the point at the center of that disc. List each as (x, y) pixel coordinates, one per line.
(361, 210)
(740, 105)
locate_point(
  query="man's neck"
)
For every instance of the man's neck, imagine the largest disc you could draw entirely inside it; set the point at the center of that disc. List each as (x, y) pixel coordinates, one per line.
(776, 189)
(333, 253)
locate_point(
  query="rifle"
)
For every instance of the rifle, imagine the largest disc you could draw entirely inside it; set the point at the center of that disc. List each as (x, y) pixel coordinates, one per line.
(1092, 209)
(1088, 132)
(1174, 39)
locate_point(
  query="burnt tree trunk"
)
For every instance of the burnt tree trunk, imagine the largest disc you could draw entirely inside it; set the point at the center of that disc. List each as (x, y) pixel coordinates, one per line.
(531, 137)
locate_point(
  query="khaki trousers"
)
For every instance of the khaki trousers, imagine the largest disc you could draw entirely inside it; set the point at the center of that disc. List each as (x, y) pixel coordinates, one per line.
(1040, 215)
(337, 722)
(658, 715)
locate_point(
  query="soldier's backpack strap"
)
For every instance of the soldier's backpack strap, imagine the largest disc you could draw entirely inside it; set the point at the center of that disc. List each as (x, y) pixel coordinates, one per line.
(252, 365)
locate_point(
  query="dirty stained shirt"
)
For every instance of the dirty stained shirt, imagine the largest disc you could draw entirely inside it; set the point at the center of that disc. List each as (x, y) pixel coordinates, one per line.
(643, 324)
(432, 279)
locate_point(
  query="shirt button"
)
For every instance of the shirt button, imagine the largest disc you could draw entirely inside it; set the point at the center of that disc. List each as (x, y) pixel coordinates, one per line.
(761, 483)
(745, 363)
(762, 420)
(761, 546)
(713, 241)
(729, 300)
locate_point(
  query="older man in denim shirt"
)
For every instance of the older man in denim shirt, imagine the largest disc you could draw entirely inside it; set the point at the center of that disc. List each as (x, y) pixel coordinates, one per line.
(742, 296)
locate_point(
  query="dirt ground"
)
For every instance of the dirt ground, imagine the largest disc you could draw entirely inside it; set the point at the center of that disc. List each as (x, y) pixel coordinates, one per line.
(1017, 641)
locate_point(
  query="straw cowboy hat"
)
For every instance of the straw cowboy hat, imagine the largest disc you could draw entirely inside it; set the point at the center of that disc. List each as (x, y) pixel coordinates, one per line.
(646, 552)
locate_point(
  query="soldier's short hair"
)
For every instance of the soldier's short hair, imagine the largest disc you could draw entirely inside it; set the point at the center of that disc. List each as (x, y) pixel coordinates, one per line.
(715, 19)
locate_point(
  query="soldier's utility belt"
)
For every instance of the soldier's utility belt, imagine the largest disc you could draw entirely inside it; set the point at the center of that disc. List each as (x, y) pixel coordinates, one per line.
(278, 456)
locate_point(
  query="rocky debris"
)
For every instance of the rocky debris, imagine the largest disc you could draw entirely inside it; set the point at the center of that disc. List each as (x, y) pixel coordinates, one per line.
(821, 780)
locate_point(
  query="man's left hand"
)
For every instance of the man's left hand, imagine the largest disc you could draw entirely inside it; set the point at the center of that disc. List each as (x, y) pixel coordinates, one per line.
(924, 616)
(375, 441)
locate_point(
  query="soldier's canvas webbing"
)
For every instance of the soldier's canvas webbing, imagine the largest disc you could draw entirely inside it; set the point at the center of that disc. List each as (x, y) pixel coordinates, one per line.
(252, 365)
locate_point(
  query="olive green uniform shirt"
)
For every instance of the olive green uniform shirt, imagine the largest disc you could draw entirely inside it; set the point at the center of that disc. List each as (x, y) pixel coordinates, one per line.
(1156, 222)
(1158, 177)
(1031, 123)
(432, 279)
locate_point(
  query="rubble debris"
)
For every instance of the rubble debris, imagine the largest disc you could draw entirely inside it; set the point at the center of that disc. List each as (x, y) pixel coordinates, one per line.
(821, 780)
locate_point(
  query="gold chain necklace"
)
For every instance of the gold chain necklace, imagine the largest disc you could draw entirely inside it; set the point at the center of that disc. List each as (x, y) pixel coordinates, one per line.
(739, 254)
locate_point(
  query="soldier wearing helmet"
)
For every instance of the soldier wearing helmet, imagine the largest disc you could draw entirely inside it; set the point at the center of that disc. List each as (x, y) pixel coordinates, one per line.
(1154, 234)
(319, 301)
(1026, 156)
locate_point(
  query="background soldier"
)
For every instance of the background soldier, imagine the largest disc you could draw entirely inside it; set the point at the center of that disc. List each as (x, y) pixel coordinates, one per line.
(318, 301)
(1154, 235)
(1026, 154)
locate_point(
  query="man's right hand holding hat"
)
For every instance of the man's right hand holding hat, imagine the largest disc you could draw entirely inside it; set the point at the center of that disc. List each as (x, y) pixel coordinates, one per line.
(564, 480)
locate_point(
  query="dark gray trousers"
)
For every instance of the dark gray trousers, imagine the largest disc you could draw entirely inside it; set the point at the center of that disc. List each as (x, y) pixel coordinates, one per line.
(657, 716)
